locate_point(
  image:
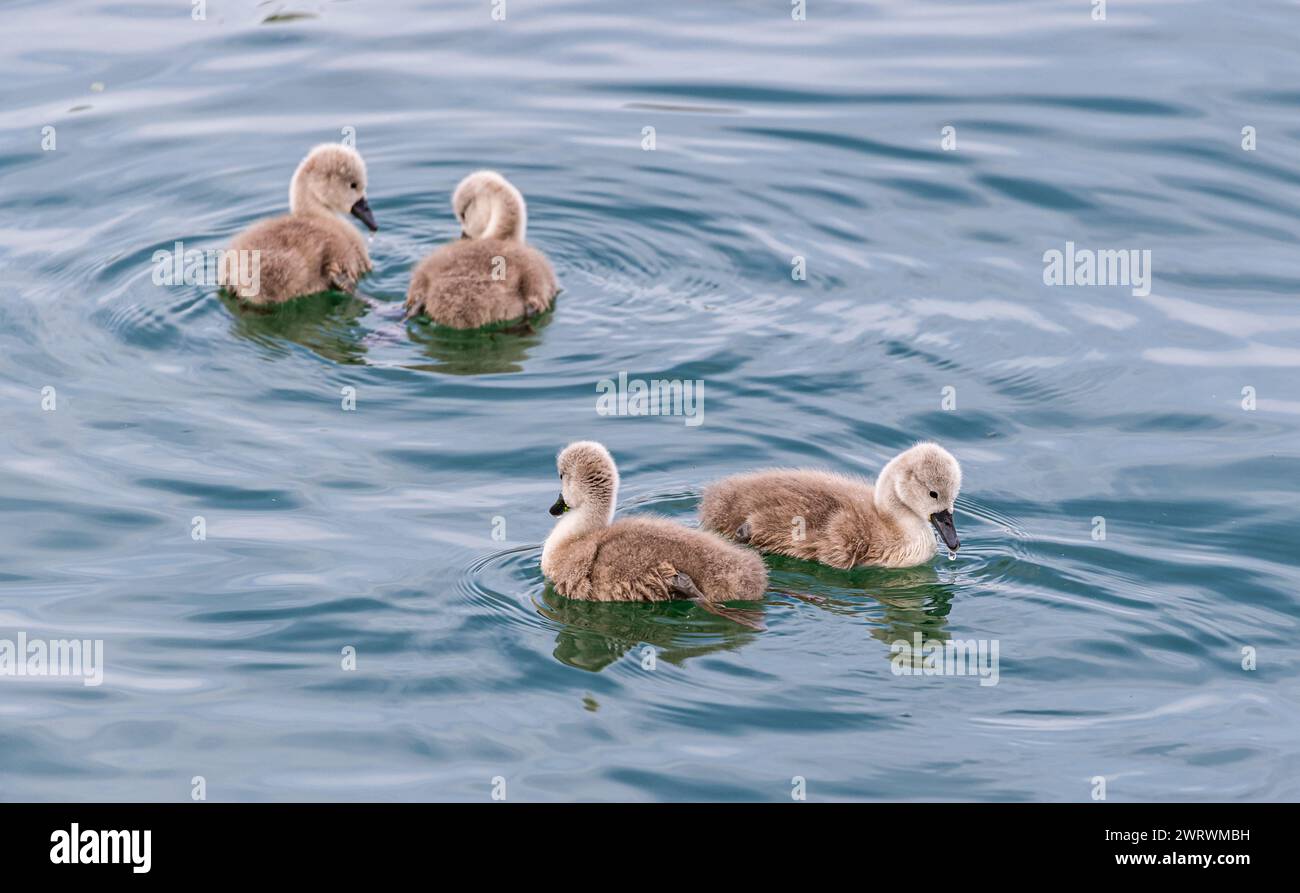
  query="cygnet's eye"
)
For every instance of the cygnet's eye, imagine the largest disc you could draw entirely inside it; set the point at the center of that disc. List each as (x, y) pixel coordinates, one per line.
(354, 184)
(934, 495)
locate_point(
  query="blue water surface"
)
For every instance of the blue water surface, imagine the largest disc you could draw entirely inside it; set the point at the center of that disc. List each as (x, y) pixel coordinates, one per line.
(1161, 657)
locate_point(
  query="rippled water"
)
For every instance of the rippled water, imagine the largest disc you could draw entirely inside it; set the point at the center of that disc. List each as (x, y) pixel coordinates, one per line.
(1119, 657)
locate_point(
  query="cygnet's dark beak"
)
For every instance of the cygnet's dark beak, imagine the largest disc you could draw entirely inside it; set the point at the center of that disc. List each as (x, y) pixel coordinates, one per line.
(560, 507)
(361, 211)
(942, 522)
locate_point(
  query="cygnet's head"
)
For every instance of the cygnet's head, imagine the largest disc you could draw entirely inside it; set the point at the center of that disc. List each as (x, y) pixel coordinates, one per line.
(926, 480)
(588, 479)
(488, 206)
(333, 177)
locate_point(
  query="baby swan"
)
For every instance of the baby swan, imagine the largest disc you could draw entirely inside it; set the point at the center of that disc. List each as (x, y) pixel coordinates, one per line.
(310, 249)
(843, 521)
(639, 558)
(490, 274)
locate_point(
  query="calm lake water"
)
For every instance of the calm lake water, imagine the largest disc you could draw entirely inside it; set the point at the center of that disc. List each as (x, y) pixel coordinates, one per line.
(409, 529)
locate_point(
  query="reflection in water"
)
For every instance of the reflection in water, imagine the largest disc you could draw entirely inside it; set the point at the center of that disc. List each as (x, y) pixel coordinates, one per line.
(330, 324)
(924, 611)
(327, 324)
(596, 634)
(913, 599)
(492, 349)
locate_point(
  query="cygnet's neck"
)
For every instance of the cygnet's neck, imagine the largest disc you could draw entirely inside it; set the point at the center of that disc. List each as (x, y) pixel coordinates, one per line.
(509, 218)
(303, 201)
(591, 516)
(894, 511)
